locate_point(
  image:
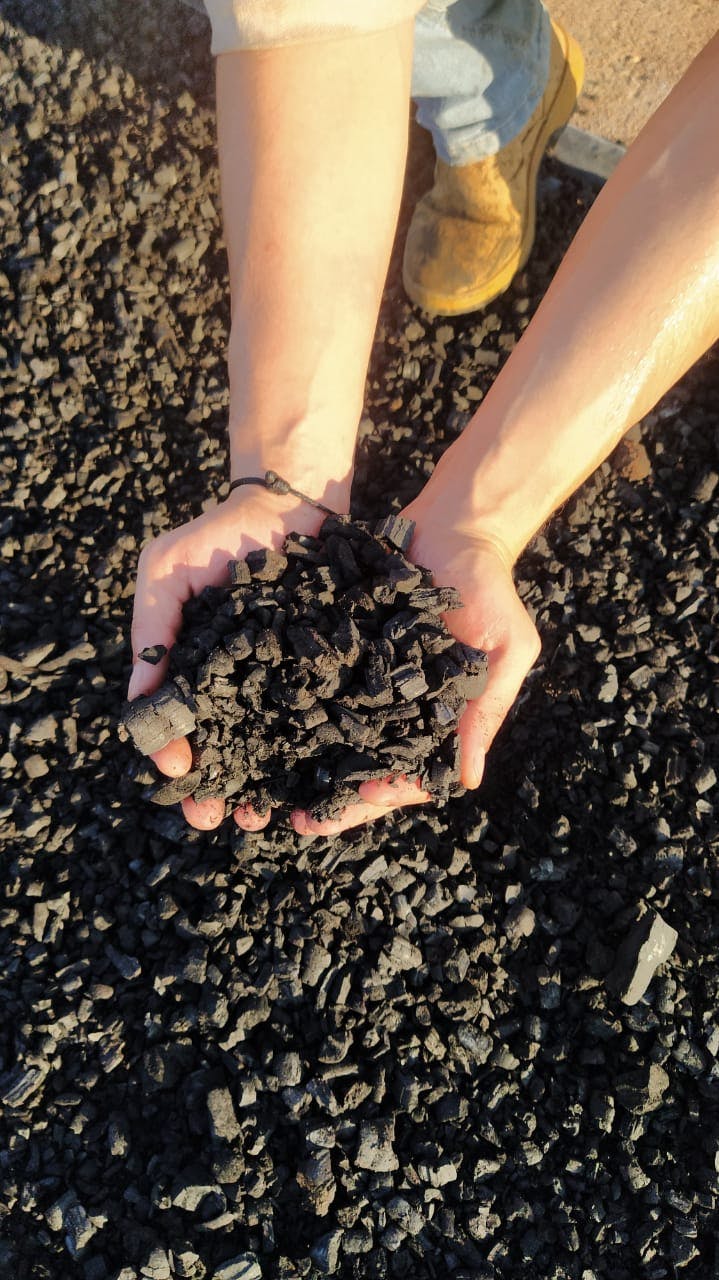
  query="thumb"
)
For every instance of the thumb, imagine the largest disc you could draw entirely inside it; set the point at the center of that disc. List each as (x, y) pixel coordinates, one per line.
(508, 667)
(156, 620)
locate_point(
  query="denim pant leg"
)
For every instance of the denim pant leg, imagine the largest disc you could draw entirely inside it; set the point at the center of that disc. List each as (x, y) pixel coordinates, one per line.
(480, 69)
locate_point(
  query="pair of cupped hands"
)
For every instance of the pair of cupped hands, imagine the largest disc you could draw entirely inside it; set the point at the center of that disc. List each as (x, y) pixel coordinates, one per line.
(179, 564)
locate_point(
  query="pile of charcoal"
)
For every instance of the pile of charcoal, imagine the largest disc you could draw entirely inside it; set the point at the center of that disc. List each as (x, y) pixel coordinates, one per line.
(320, 667)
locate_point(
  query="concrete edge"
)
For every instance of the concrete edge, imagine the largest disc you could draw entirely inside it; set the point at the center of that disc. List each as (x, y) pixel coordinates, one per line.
(589, 153)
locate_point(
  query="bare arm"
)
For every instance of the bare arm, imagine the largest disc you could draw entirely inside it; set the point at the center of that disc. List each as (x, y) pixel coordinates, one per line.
(312, 145)
(312, 142)
(633, 305)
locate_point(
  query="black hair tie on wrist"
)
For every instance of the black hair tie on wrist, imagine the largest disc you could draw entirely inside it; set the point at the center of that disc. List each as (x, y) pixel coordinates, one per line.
(275, 484)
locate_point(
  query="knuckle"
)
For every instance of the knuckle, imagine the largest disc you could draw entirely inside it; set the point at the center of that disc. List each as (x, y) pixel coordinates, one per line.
(531, 642)
(146, 557)
(154, 554)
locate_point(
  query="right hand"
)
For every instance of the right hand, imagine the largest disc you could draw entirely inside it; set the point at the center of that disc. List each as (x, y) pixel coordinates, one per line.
(492, 618)
(178, 565)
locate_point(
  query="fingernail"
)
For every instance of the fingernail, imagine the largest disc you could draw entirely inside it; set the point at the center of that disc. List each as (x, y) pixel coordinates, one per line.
(478, 766)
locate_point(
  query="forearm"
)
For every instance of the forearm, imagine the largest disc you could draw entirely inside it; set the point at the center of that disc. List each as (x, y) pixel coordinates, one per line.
(633, 305)
(312, 143)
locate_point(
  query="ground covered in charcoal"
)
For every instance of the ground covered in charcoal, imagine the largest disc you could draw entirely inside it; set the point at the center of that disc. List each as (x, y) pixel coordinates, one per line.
(435, 1047)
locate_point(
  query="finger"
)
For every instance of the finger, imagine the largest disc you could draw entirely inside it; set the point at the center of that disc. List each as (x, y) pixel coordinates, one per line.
(175, 759)
(204, 815)
(483, 717)
(472, 735)
(146, 677)
(353, 816)
(378, 798)
(156, 619)
(248, 820)
(397, 791)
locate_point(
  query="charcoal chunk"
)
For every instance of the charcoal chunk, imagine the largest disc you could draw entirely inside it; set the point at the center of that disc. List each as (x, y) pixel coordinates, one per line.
(438, 599)
(397, 530)
(19, 1085)
(409, 682)
(316, 1179)
(375, 1149)
(159, 718)
(347, 641)
(175, 789)
(325, 1252)
(245, 1266)
(240, 646)
(223, 1120)
(648, 944)
(268, 648)
(642, 1091)
(359, 767)
(406, 1215)
(78, 1229)
(266, 565)
(239, 571)
(403, 575)
(307, 643)
(342, 560)
(157, 1266)
(153, 653)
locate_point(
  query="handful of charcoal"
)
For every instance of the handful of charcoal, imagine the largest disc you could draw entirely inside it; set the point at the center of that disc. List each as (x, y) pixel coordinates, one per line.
(320, 666)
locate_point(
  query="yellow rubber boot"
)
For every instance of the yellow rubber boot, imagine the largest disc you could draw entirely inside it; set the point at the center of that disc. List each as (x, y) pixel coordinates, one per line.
(473, 231)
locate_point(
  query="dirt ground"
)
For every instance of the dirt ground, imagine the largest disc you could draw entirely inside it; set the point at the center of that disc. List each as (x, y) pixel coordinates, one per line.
(635, 51)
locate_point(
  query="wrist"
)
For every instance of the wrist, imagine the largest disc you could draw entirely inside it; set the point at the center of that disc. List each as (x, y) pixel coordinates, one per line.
(516, 464)
(482, 496)
(308, 453)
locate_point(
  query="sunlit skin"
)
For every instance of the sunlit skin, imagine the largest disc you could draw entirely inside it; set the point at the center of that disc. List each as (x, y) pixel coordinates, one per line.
(634, 304)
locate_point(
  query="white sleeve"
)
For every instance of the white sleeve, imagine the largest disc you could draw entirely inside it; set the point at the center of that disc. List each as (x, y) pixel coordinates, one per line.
(262, 24)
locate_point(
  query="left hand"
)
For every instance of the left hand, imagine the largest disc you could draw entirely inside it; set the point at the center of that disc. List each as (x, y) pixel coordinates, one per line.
(492, 618)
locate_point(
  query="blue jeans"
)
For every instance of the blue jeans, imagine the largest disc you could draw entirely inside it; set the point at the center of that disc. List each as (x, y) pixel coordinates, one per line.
(480, 69)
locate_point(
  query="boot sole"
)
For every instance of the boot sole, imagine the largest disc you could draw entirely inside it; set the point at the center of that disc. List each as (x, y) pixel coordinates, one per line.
(560, 110)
